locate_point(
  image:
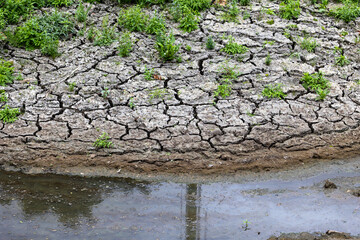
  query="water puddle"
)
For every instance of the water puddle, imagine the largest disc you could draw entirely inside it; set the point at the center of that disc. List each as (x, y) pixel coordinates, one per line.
(63, 207)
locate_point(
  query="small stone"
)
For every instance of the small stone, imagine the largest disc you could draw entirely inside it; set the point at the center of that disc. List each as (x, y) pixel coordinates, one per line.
(337, 234)
(329, 184)
(356, 192)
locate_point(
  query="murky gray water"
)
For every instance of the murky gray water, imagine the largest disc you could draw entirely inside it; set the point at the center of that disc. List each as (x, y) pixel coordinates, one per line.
(64, 207)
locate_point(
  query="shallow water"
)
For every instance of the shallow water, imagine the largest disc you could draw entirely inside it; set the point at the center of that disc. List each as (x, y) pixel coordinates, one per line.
(67, 207)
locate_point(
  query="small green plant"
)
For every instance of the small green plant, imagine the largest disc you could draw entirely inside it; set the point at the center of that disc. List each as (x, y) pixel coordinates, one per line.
(244, 2)
(72, 86)
(166, 47)
(223, 90)
(270, 22)
(50, 47)
(105, 93)
(246, 225)
(295, 55)
(269, 11)
(250, 114)
(196, 6)
(232, 13)
(149, 74)
(268, 43)
(316, 82)
(228, 72)
(6, 72)
(131, 103)
(292, 26)
(287, 33)
(246, 15)
(39, 32)
(159, 93)
(338, 50)
(344, 33)
(309, 44)
(156, 24)
(82, 13)
(273, 91)
(103, 141)
(188, 21)
(349, 12)
(9, 115)
(233, 48)
(59, 3)
(210, 44)
(357, 39)
(107, 35)
(125, 45)
(290, 9)
(268, 60)
(341, 60)
(3, 96)
(188, 48)
(133, 19)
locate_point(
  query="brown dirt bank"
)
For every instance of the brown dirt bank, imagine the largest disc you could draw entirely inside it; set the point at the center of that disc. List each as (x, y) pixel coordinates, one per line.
(24, 153)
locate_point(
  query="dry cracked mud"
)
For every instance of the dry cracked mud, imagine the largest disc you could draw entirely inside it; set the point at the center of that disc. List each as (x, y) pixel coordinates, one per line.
(187, 129)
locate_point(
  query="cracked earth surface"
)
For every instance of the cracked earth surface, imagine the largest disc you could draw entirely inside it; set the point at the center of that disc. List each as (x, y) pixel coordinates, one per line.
(185, 131)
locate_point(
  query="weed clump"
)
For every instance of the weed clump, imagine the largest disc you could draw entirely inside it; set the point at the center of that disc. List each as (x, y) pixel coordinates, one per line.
(107, 35)
(197, 6)
(317, 83)
(349, 12)
(9, 115)
(341, 60)
(210, 44)
(133, 19)
(233, 48)
(39, 32)
(159, 93)
(273, 91)
(6, 72)
(290, 9)
(185, 15)
(82, 13)
(3, 96)
(103, 141)
(309, 44)
(228, 74)
(156, 24)
(268, 60)
(166, 47)
(232, 13)
(125, 45)
(189, 21)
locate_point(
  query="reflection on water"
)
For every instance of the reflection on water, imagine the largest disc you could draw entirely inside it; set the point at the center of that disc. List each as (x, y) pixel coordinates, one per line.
(192, 212)
(62, 207)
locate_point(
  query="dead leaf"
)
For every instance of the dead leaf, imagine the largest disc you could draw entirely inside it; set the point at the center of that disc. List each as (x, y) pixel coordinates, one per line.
(157, 77)
(221, 2)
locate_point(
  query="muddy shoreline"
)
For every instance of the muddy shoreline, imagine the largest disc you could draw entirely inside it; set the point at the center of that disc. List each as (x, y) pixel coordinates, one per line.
(24, 157)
